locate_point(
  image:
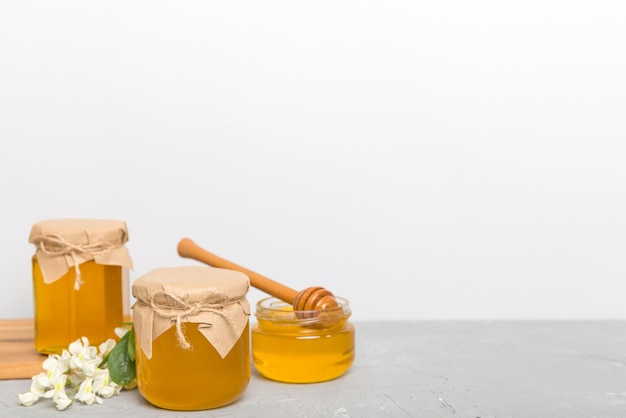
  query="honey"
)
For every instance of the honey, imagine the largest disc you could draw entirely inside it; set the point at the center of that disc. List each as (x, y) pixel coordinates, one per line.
(193, 379)
(80, 281)
(302, 347)
(192, 337)
(63, 314)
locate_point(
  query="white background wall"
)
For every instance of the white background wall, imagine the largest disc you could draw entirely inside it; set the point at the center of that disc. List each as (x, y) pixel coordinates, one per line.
(424, 159)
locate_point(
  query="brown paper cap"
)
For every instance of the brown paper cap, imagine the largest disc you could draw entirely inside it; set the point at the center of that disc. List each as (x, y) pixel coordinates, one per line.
(216, 296)
(80, 236)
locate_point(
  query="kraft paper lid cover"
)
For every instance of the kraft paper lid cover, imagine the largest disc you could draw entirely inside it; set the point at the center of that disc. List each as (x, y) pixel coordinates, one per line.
(169, 297)
(65, 243)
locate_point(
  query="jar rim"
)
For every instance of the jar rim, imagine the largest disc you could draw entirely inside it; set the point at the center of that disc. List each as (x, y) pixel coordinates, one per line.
(278, 311)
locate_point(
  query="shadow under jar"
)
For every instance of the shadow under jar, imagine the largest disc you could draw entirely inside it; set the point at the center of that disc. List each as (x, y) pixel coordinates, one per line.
(302, 346)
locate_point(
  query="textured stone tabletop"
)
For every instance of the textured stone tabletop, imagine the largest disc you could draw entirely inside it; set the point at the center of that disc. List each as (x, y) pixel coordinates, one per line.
(427, 369)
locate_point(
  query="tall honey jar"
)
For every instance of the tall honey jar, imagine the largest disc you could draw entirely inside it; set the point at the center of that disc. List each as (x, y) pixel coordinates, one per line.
(192, 336)
(80, 281)
(302, 346)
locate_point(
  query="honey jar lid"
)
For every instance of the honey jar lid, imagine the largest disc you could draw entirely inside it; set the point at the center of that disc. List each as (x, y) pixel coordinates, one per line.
(65, 243)
(214, 298)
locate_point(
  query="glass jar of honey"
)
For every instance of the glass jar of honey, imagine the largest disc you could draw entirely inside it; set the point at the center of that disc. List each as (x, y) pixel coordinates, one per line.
(192, 336)
(302, 346)
(80, 281)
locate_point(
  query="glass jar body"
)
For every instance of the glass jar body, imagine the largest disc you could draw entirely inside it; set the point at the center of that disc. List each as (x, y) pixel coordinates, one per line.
(64, 314)
(292, 347)
(194, 379)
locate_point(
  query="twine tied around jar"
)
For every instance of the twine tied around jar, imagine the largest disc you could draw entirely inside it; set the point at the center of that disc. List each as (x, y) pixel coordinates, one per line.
(174, 308)
(55, 245)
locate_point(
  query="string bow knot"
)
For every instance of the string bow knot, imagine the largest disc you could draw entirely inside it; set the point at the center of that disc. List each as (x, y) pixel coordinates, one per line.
(55, 245)
(178, 310)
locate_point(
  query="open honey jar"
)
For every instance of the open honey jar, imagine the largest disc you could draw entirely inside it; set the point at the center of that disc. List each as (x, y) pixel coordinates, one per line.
(192, 337)
(80, 281)
(302, 346)
(300, 337)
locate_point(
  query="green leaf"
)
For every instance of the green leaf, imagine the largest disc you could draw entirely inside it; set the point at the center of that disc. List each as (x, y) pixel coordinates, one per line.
(132, 353)
(121, 365)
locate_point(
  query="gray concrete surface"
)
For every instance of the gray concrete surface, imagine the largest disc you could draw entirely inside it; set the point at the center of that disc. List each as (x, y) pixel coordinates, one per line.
(428, 369)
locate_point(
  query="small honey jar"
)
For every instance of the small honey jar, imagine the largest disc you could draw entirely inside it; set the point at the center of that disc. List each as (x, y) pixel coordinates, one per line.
(80, 281)
(192, 336)
(302, 346)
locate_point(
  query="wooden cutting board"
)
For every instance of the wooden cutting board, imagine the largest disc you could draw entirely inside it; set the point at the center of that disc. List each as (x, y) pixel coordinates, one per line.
(18, 358)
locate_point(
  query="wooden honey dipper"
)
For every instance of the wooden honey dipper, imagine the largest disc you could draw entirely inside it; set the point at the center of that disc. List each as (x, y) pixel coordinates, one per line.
(310, 299)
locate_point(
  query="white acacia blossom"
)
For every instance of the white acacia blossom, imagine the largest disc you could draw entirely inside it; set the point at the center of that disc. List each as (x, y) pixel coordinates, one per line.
(74, 375)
